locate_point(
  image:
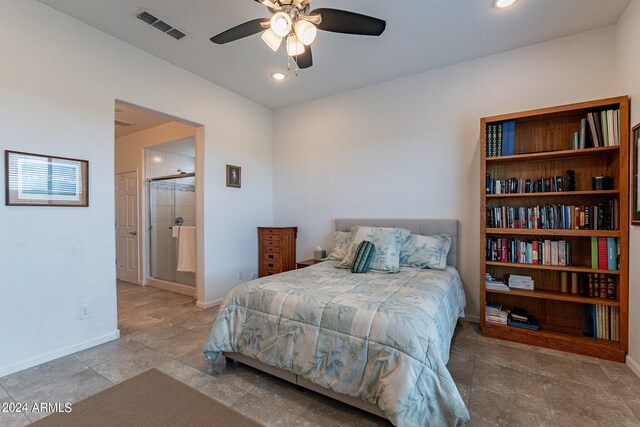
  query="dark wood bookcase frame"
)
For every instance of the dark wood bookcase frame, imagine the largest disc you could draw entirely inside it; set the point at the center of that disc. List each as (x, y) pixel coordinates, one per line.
(542, 148)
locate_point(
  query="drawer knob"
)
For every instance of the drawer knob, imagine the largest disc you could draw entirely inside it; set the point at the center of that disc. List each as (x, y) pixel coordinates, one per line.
(270, 256)
(271, 265)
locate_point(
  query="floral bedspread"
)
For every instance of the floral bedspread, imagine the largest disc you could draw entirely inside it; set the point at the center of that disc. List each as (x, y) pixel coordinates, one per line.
(384, 338)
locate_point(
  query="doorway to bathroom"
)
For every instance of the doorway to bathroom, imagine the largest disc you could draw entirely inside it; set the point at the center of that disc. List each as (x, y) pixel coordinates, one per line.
(158, 210)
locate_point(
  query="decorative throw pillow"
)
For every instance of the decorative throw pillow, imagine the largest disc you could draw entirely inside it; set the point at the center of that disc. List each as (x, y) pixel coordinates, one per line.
(387, 241)
(364, 254)
(341, 241)
(426, 251)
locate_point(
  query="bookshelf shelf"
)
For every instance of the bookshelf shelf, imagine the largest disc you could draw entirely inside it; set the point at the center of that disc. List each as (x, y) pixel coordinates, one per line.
(574, 343)
(558, 296)
(541, 140)
(546, 232)
(554, 194)
(569, 268)
(553, 155)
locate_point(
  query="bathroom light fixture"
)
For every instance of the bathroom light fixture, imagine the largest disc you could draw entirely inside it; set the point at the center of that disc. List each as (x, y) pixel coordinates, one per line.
(278, 76)
(504, 3)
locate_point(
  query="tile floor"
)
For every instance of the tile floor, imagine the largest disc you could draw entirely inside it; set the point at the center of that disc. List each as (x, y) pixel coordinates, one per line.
(502, 383)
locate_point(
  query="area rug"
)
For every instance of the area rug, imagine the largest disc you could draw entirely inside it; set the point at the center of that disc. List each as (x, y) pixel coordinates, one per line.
(149, 399)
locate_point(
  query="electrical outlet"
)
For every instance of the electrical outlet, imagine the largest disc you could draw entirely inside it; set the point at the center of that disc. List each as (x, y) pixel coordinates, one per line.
(240, 275)
(84, 311)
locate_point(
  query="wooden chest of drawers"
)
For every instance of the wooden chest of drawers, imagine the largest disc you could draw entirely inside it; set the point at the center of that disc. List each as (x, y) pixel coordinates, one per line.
(276, 250)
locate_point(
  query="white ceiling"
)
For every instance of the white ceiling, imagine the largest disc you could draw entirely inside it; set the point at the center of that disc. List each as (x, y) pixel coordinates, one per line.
(140, 119)
(421, 35)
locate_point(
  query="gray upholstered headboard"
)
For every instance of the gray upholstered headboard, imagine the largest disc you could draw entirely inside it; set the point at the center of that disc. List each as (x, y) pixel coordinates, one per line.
(425, 227)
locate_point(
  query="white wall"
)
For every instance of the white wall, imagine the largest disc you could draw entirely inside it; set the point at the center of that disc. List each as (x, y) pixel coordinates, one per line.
(409, 148)
(59, 80)
(628, 66)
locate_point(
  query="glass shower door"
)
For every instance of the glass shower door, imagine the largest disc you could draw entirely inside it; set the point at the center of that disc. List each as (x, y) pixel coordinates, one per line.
(171, 203)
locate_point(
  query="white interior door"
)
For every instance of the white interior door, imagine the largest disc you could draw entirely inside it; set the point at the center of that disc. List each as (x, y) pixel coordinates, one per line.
(127, 227)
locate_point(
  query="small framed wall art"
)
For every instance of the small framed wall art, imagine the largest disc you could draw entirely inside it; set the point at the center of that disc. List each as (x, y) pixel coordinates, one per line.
(41, 180)
(635, 174)
(234, 176)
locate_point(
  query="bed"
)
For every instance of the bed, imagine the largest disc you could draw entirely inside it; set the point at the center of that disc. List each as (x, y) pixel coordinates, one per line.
(377, 341)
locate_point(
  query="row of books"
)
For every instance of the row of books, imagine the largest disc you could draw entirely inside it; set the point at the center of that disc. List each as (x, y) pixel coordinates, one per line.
(600, 216)
(600, 285)
(500, 139)
(603, 322)
(494, 313)
(604, 127)
(530, 185)
(605, 253)
(543, 252)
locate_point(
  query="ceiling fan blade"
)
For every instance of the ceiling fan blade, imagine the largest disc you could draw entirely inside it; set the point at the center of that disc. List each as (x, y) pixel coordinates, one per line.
(342, 21)
(269, 4)
(241, 31)
(304, 60)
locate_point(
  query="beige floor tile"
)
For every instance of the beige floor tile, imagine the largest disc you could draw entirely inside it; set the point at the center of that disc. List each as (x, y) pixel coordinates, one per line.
(159, 332)
(69, 389)
(112, 350)
(13, 416)
(562, 367)
(508, 356)
(216, 389)
(583, 404)
(489, 408)
(33, 378)
(180, 371)
(461, 365)
(184, 342)
(501, 379)
(264, 411)
(130, 364)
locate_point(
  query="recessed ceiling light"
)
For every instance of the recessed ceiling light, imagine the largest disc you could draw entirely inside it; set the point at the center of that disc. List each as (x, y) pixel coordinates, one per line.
(504, 3)
(278, 76)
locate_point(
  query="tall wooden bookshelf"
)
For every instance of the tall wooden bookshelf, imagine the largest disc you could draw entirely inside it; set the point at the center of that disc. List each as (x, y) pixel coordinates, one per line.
(543, 148)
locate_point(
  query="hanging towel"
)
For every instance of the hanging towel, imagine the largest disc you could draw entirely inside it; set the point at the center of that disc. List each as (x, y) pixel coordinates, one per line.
(187, 249)
(175, 231)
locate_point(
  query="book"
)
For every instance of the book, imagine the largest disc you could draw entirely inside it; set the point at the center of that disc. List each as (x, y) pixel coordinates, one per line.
(611, 288)
(594, 253)
(530, 322)
(612, 253)
(598, 123)
(605, 128)
(583, 134)
(602, 285)
(554, 253)
(602, 253)
(593, 130)
(612, 139)
(499, 139)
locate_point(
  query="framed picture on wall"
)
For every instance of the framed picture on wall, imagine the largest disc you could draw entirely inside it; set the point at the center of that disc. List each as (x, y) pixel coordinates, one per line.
(41, 180)
(635, 174)
(234, 176)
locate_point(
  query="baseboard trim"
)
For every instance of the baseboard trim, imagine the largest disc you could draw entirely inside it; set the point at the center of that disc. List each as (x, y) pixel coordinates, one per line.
(172, 286)
(472, 318)
(633, 365)
(65, 351)
(208, 304)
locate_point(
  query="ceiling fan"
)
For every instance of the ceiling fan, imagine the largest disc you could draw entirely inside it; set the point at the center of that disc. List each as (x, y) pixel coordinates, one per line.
(295, 22)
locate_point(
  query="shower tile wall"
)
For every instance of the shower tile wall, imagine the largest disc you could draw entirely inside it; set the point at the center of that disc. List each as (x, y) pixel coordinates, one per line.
(166, 204)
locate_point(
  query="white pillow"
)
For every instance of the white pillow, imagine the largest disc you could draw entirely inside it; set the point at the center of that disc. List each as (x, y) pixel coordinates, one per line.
(341, 241)
(426, 251)
(387, 241)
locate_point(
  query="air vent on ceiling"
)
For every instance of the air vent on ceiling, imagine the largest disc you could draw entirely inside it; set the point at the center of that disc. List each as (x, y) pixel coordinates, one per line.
(146, 17)
(168, 29)
(176, 34)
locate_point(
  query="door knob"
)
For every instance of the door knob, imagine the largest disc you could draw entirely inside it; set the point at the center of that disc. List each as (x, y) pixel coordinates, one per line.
(133, 233)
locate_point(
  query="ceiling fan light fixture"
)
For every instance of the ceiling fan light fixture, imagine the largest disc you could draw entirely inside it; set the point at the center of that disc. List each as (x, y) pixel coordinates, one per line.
(504, 3)
(272, 40)
(294, 46)
(281, 24)
(306, 32)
